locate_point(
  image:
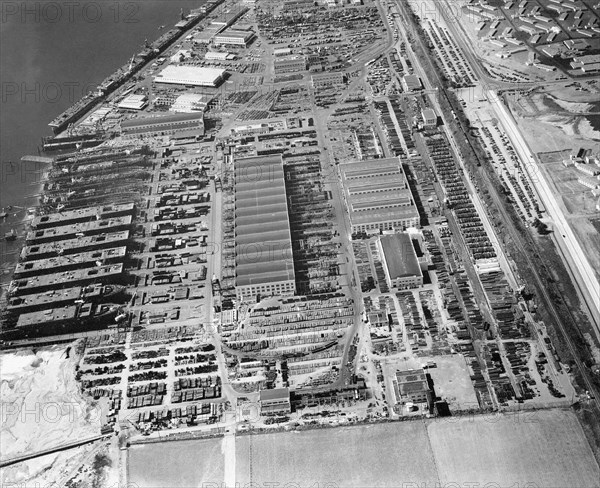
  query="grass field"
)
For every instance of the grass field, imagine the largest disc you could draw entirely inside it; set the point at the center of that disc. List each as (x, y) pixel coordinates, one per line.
(383, 455)
(545, 449)
(173, 464)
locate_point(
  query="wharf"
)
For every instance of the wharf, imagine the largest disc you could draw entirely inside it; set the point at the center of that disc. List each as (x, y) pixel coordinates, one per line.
(73, 261)
(72, 246)
(85, 228)
(82, 215)
(37, 159)
(57, 280)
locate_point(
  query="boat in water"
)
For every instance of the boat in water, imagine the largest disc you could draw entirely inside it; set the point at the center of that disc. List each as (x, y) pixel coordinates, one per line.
(10, 236)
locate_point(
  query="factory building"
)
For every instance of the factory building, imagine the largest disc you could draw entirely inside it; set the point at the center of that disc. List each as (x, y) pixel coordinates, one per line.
(328, 79)
(263, 243)
(275, 401)
(191, 75)
(234, 38)
(294, 64)
(411, 83)
(227, 19)
(412, 387)
(402, 269)
(164, 125)
(377, 196)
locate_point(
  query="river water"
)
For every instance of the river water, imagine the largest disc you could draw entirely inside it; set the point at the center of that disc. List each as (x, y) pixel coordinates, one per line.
(51, 53)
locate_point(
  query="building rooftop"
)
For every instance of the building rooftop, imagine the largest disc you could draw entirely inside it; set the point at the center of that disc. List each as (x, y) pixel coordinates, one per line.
(236, 34)
(190, 75)
(162, 119)
(377, 191)
(263, 242)
(275, 394)
(47, 316)
(53, 297)
(411, 381)
(400, 256)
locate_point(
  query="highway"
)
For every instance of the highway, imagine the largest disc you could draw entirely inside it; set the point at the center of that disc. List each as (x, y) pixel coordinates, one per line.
(565, 237)
(526, 156)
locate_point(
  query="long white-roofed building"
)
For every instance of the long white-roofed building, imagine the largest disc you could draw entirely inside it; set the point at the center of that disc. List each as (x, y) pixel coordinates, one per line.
(191, 75)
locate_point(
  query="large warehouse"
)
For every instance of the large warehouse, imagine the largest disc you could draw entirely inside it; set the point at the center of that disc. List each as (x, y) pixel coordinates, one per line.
(164, 125)
(191, 75)
(402, 268)
(378, 196)
(263, 242)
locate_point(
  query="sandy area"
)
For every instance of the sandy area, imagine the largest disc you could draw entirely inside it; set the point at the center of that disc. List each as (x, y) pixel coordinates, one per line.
(553, 133)
(86, 465)
(573, 106)
(41, 403)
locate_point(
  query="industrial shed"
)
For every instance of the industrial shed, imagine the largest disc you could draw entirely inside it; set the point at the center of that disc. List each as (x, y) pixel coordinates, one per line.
(263, 244)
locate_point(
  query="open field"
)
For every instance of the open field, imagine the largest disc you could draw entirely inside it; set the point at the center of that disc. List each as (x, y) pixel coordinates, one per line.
(384, 455)
(544, 448)
(181, 463)
(452, 382)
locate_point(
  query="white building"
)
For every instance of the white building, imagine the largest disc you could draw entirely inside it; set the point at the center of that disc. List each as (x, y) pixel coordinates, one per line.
(233, 38)
(191, 75)
(429, 118)
(190, 103)
(134, 102)
(588, 169)
(589, 181)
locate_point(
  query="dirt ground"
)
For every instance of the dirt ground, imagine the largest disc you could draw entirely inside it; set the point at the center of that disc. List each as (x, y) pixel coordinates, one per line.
(452, 382)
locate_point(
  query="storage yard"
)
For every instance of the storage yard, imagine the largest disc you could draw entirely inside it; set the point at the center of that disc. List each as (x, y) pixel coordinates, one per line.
(272, 222)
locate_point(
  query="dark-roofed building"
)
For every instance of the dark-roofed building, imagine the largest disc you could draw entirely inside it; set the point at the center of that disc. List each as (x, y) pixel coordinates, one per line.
(164, 125)
(275, 401)
(412, 386)
(402, 269)
(263, 243)
(378, 196)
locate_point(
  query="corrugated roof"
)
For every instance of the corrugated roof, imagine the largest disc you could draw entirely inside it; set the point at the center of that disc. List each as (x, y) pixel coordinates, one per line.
(276, 394)
(262, 229)
(400, 256)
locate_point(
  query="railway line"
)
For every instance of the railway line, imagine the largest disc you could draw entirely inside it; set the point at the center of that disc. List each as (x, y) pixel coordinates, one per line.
(507, 222)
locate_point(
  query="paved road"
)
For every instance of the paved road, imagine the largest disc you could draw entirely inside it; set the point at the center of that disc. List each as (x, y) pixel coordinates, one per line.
(565, 238)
